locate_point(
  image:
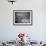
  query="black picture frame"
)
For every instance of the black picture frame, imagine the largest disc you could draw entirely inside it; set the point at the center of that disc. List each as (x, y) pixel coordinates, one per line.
(19, 15)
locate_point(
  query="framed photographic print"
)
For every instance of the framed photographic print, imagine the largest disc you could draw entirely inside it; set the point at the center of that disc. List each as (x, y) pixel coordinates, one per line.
(22, 17)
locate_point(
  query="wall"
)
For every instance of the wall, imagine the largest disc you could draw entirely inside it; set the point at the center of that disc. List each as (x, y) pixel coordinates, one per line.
(38, 30)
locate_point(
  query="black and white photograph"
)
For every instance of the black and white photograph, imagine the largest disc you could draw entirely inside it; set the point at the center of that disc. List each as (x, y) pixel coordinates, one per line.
(22, 16)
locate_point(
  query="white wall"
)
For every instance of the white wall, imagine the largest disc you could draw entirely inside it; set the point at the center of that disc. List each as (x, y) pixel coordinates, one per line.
(38, 30)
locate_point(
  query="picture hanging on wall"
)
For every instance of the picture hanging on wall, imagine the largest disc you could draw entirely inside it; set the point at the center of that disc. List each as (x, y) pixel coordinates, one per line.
(22, 17)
